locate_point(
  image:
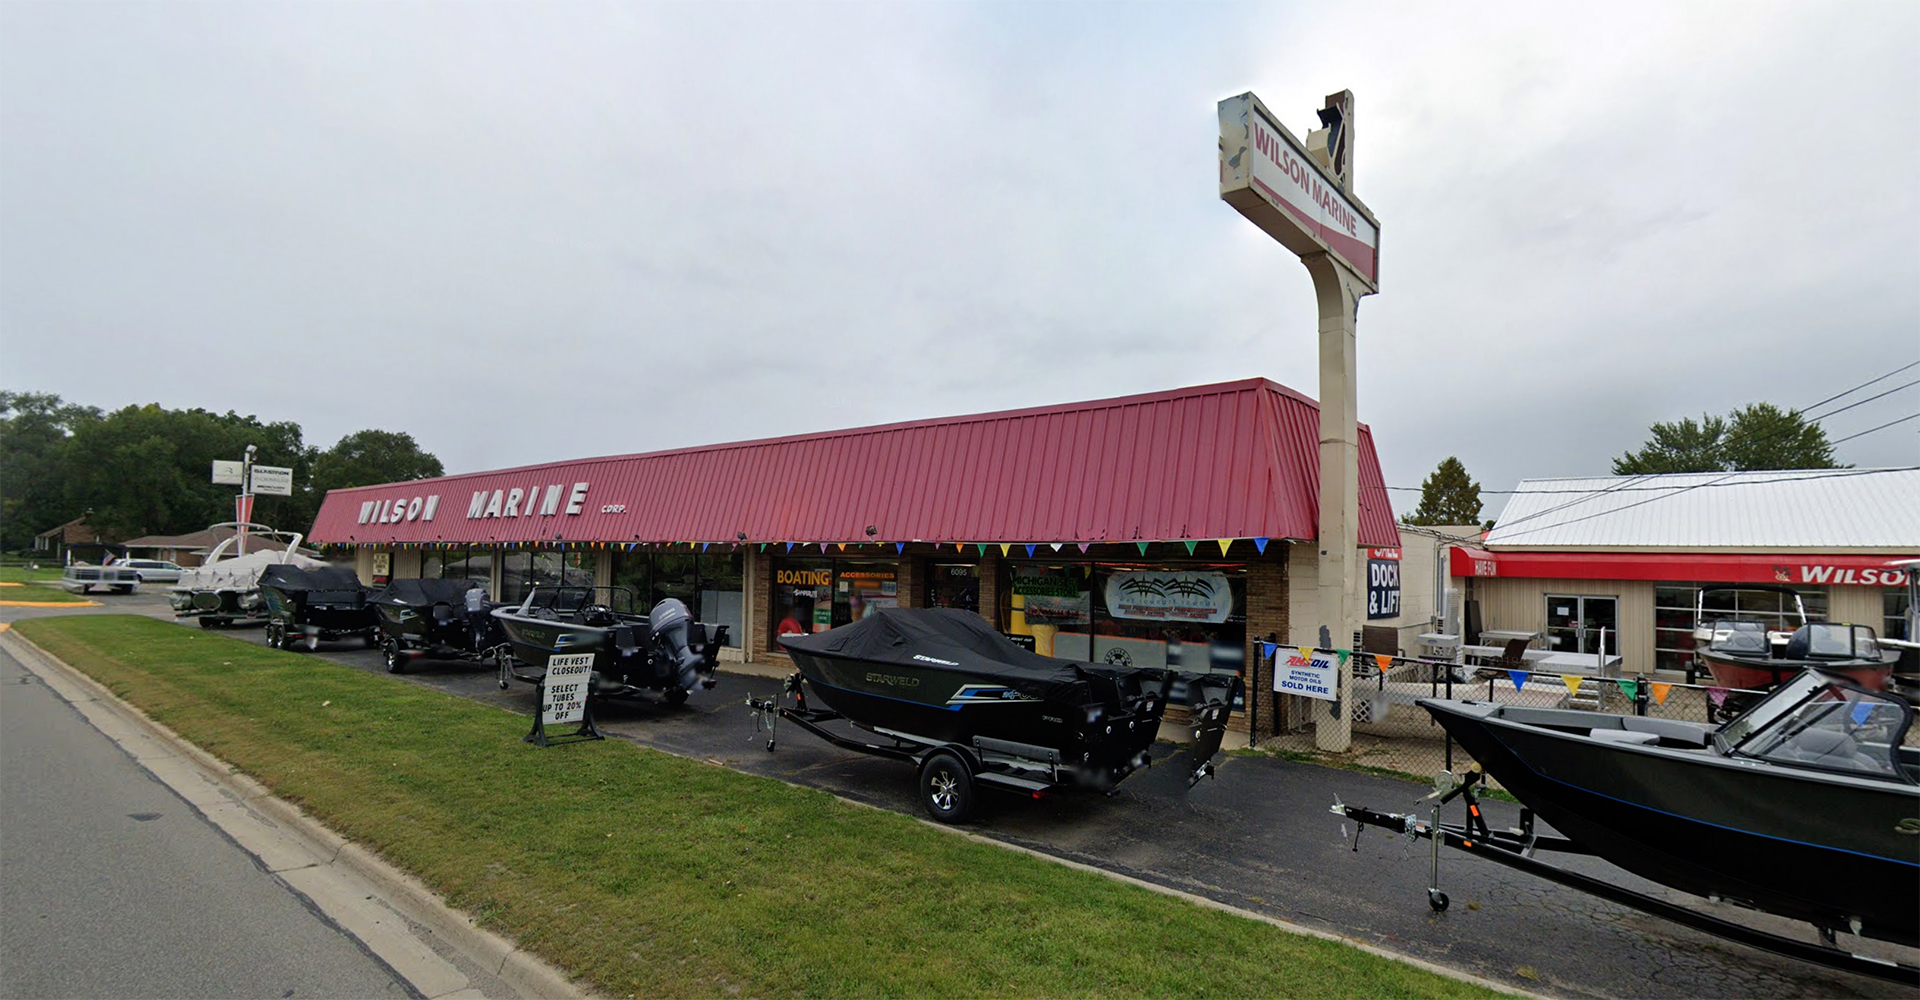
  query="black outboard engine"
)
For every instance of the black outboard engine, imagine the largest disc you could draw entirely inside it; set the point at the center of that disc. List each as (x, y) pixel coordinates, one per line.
(667, 625)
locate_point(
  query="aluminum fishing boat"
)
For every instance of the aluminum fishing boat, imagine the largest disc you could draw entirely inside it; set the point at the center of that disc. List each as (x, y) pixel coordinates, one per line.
(664, 652)
(965, 704)
(1806, 806)
(420, 618)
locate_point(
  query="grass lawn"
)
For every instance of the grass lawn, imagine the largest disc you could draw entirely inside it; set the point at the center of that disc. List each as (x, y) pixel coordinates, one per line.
(21, 574)
(654, 875)
(40, 594)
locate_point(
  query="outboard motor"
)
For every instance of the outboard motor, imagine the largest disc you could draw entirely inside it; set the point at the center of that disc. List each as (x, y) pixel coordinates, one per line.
(667, 625)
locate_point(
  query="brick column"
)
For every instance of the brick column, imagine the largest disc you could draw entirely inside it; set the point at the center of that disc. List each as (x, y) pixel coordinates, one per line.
(1266, 614)
(990, 587)
(759, 626)
(912, 581)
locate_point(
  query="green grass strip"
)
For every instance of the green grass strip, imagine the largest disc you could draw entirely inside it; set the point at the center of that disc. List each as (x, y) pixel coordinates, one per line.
(653, 875)
(34, 593)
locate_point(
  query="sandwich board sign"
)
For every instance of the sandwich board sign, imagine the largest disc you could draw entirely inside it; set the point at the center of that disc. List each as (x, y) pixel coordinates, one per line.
(564, 698)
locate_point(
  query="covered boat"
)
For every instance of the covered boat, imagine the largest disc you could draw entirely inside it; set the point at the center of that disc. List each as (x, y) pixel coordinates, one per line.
(432, 618)
(309, 604)
(1806, 806)
(665, 651)
(965, 704)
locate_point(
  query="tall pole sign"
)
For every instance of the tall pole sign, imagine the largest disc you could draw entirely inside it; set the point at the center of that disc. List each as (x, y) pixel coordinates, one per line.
(1301, 194)
(271, 479)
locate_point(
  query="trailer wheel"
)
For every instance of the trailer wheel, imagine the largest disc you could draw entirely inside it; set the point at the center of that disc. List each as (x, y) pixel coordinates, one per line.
(676, 696)
(204, 621)
(396, 660)
(946, 788)
(273, 634)
(1438, 900)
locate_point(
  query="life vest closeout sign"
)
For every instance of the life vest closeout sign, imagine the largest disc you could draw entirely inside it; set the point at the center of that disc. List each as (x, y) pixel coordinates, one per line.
(1308, 672)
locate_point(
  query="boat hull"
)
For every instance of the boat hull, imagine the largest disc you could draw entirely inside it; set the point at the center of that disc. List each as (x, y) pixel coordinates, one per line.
(953, 707)
(1758, 673)
(1824, 849)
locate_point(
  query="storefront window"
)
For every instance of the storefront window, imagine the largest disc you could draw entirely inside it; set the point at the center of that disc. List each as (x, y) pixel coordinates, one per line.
(1675, 606)
(478, 566)
(1895, 603)
(802, 597)
(710, 584)
(1184, 616)
(953, 585)
(516, 569)
(860, 588)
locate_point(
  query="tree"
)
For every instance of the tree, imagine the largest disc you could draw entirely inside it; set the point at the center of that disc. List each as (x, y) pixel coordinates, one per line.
(35, 428)
(370, 457)
(1449, 496)
(1758, 436)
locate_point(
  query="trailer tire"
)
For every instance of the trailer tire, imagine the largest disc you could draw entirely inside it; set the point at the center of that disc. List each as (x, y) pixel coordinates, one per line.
(273, 633)
(946, 787)
(676, 696)
(396, 659)
(1438, 900)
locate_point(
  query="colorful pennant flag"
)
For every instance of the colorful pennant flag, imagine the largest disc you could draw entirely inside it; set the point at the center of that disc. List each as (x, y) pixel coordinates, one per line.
(1030, 548)
(1223, 543)
(1660, 691)
(959, 546)
(1143, 547)
(1718, 695)
(1056, 546)
(1572, 681)
(1084, 547)
(1190, 545)
(1629, 688)
(1260, 545)
(823, 546)
(1519, 678)
(843, 547)
(1267, 648)
(899, 547)
(983, 547)
(1006, 549)
(789, 546)
(1384, 660)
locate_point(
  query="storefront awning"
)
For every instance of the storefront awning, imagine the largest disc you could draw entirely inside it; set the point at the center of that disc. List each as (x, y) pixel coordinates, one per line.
(1798, 569)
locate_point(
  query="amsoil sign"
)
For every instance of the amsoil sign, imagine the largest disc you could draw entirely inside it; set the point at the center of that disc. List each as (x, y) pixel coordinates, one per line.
(1309, 673)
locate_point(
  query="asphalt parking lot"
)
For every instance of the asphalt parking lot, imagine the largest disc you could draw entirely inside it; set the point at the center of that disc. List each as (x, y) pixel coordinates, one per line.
(1257, 836)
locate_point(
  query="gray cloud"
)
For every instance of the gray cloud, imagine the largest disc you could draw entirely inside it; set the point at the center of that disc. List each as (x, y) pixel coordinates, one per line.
(530, 232)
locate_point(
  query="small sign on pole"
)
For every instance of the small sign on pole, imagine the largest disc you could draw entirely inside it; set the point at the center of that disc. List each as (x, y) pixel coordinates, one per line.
(229, 473)
(1308, 673)
(564, 698)
(273, 480)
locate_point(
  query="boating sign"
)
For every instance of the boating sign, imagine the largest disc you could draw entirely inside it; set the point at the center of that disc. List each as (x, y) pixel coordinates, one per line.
(563, 697)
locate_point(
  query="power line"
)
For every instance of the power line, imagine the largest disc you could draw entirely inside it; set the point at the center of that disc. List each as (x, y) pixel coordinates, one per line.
(1867, 400)
(1882, 427)
(1861, 386)
(1626, 488)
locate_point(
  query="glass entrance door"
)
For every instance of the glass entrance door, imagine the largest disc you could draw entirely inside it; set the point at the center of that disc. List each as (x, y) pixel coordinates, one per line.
(1575, 624)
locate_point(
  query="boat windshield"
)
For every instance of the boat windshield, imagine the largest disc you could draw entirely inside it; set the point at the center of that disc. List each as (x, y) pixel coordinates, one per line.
(1812, 722)
(566, 600)
(1740, 637)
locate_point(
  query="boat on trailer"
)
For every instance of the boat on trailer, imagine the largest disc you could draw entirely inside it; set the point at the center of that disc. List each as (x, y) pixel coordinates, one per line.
(429, 618)
(307, 605)
(664, 653)
(967, 706)
(1806, 806)
(225, 587)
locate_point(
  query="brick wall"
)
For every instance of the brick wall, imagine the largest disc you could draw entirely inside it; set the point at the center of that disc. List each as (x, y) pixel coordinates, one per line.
(990, 587)
(1267, 618)
(912, 579)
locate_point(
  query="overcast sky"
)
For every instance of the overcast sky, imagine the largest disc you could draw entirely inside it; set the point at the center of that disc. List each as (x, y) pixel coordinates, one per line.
(524, 233)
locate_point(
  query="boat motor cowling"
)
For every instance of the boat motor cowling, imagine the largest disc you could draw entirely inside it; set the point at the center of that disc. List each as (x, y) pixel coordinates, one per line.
(667, 626)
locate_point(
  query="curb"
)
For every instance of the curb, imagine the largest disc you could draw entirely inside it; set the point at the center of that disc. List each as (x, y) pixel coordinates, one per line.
(527, 974)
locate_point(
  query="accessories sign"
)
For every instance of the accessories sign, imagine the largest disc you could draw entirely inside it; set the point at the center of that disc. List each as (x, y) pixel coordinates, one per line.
(564, 695)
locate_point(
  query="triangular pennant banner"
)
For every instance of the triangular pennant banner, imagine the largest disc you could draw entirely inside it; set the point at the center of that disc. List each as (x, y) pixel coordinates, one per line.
(1660, 691)
(789, 546)
(1224, 543)
(1006, 548)
(1084, 547)
(1142, 546)
(1190, 545)
(1630, 688)
(1056, 546)
(1260, 545)
(703, 546)
(1519, 678)
(1384, 660)
(763, 546)
(1030, 548)
(1266, 650)
(1572, 681)
(899, 547)
(1718, 695)
(823, 546)
(1306, 653)
(843, 547)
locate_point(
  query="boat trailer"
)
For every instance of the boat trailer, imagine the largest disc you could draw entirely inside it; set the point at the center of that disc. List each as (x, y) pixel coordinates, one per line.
(1515, 847)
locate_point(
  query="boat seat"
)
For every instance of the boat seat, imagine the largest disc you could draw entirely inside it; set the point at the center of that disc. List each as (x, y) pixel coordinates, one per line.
(1667, 729)
(1625, 736)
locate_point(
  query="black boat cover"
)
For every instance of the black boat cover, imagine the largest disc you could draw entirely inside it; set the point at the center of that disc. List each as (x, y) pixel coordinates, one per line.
(425, 593)
(943, 638)
(288, 577)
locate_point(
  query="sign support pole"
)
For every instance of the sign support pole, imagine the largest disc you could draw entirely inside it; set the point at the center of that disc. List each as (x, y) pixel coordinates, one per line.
(1339, 527)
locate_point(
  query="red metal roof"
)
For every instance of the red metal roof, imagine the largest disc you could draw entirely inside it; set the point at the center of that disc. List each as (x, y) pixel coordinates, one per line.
(1230, 460)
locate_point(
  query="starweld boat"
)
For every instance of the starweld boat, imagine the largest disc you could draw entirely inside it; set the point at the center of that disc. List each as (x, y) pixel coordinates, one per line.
(429, 618)
(664, 653)
(1741, 655)
(1807, 806)
(966, 705)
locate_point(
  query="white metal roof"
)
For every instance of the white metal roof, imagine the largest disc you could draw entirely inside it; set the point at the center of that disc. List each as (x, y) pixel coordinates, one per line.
(1826, 508)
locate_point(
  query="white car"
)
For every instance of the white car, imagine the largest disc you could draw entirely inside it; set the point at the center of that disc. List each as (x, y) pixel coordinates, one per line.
(153, 570)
